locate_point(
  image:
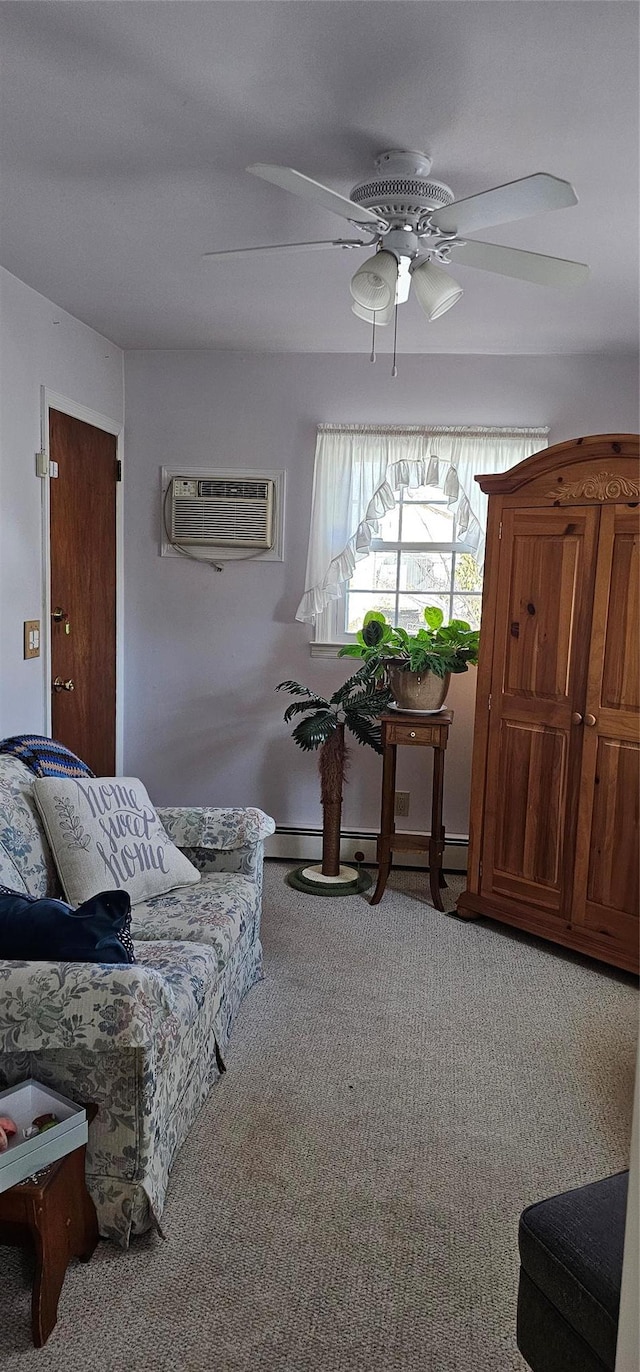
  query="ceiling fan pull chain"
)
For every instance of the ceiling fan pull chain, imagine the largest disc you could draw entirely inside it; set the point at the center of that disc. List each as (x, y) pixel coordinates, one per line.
(373, 339)
(394, 369)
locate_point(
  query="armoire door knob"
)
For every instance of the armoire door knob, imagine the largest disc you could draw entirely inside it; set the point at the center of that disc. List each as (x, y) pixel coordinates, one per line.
(590, 720)
(576, 718)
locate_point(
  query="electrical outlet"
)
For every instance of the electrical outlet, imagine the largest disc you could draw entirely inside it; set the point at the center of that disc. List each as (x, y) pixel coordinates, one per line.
(401, 806)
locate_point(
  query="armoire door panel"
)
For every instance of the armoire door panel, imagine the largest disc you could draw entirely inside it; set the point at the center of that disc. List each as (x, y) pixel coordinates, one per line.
(621, 674)
(528, 837)
(613, 926)
(606, 893)
(612, 879)
(541, 626)
(545, 584)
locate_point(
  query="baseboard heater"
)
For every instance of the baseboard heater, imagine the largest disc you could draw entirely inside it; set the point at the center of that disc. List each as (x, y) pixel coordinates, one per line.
(305, 844)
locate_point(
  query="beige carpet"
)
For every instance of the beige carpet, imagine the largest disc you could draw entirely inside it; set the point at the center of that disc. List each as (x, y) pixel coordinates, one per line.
(399, 1087)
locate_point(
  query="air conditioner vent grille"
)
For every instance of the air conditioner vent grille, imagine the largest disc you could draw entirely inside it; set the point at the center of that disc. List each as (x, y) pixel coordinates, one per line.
(222, 512)
(235, 490)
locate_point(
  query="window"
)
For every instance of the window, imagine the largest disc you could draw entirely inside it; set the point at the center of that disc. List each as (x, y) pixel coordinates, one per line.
(416, 560)
(398, 522)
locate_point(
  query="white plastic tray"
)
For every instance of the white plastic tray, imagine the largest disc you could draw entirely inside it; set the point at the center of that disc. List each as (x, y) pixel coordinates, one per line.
(24, 1157)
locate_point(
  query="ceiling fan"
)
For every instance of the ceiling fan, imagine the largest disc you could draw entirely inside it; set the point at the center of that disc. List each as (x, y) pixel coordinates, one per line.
(417, 228)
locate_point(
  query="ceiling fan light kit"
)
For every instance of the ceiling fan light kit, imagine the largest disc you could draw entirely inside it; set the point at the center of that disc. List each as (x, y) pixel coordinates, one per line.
(417, 228)
(374, 284)
(374, 316)
(435, 290)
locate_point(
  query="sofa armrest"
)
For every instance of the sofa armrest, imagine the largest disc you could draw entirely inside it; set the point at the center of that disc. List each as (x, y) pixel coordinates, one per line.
(221, 830)
(55, 1005)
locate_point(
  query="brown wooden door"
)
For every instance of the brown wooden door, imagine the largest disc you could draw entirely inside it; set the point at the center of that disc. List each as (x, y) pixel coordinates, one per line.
(545, 589)
(607, 856)
(83, 588)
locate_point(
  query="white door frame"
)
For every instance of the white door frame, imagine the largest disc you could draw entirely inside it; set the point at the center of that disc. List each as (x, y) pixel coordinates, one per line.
(50, 400)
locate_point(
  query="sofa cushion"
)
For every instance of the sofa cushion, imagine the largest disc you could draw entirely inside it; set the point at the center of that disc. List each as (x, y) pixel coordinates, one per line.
(104, 831)
(26, 863)
(571, 1249)
(186, 969)
(217, 913)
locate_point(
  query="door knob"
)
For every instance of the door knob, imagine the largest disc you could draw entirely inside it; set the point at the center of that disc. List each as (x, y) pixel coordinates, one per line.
(590, 720)
(60, 685)
(576, 718)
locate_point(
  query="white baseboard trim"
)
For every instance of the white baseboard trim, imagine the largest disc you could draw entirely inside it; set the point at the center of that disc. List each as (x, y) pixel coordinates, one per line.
(305, 845)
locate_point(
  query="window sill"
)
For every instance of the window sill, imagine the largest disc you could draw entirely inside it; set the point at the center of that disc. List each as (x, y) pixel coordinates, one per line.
(325, 649)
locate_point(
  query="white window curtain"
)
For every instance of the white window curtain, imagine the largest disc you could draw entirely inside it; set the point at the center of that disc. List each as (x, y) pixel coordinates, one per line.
(358, 471)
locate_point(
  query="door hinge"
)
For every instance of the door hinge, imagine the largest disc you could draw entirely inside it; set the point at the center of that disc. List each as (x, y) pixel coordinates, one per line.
(118, 469)
(44, 467)
(489, 702)
(500, 531)
(480, 870)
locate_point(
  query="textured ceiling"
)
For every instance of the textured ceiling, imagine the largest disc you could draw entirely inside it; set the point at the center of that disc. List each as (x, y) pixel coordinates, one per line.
(126, 128)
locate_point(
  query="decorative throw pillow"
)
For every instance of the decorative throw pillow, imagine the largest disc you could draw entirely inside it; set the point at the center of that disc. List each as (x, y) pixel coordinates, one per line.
(47, 930)
(104, 830)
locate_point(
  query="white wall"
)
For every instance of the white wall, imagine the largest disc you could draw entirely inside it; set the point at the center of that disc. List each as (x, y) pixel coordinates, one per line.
(40, 345)
(205, 651)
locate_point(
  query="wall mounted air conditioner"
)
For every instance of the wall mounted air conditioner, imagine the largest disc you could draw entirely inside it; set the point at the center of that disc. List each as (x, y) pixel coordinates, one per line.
(222, 512)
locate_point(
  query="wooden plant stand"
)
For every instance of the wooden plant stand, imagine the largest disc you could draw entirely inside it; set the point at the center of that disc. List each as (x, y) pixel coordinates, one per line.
(417, 731)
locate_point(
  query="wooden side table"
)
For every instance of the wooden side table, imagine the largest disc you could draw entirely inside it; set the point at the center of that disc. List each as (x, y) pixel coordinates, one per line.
(57, 1209)
(416, 731)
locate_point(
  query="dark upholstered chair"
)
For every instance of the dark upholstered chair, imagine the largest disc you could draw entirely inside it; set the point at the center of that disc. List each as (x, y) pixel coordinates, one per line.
(570, 1275)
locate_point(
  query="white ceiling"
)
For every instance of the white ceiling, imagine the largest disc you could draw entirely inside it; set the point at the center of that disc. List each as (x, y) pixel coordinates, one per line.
(126, 128)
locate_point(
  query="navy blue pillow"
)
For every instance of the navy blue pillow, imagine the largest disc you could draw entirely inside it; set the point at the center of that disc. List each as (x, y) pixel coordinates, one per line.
(50, 931)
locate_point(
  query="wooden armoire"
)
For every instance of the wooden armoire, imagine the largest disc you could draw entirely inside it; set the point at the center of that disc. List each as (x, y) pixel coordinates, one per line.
(555, 790)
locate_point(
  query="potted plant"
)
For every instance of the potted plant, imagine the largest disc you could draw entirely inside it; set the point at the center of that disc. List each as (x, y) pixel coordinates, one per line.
(417, 667)
(355, 706)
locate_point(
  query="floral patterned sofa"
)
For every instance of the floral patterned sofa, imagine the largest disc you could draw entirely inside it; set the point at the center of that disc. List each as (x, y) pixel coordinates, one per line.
(143, 1041)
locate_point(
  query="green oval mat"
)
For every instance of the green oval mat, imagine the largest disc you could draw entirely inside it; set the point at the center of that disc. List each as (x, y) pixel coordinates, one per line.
(316, 888)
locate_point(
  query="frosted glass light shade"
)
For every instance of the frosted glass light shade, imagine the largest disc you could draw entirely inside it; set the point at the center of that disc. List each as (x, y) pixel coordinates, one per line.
(435, 289)
(380, 316)
(374, 284)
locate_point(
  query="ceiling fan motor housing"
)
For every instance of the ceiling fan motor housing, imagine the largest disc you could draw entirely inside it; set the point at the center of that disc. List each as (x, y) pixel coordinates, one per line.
(400, 189)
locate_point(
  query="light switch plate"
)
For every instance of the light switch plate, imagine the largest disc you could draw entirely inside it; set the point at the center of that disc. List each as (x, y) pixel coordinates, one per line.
(32, 638)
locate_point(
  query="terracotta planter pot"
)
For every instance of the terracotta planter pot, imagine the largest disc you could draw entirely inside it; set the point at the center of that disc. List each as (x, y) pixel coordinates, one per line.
(417, 690)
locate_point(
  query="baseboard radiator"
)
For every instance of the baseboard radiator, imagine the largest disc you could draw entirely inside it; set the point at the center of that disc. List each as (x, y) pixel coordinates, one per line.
(305, 845)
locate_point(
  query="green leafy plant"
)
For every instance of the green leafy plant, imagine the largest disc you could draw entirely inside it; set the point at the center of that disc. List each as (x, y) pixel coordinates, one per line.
(439, 648)
(356, 704)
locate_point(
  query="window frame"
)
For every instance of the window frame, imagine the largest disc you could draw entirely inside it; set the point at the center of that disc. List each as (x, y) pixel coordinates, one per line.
(330, 632)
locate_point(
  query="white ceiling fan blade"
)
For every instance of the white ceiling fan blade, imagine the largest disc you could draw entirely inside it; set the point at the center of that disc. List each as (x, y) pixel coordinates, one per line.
(294, 181)
(515, 200)
(525, 266)
(290, 247)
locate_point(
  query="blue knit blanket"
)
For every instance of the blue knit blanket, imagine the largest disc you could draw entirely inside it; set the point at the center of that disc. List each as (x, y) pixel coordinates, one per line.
(44, 756)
